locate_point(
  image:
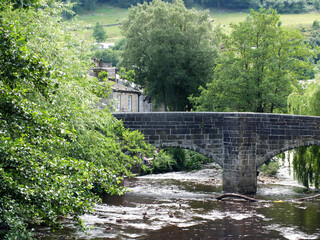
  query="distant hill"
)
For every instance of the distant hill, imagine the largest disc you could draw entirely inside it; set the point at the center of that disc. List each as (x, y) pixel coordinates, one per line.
(111, 18)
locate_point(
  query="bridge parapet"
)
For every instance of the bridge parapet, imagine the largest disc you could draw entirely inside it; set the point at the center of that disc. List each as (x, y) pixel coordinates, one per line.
(239, 142)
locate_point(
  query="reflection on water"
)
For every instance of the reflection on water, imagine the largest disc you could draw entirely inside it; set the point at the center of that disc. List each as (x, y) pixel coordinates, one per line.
(181, 206)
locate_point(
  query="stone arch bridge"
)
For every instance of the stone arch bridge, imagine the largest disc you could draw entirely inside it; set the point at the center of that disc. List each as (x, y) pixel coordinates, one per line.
(238, 142)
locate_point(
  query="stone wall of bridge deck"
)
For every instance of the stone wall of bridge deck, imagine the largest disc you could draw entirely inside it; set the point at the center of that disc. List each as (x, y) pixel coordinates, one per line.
(200, 132)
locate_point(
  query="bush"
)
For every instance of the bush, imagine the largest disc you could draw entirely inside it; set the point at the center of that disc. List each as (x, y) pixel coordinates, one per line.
(108, 56)
(180, 158)
(163, 163)
(270, 168)
(145, 169)
(316, 24)
(103, 75)
(196, 160)
(175, 159)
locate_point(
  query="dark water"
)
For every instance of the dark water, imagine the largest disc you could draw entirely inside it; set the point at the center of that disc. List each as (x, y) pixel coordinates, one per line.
(181, 206)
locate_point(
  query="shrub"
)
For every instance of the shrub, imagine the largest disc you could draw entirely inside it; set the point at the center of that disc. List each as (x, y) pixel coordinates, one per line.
(270, 168)
(316, 24)
(163, 163)
(103, 75)
(108, 56)
(196, 160)
(180, 158)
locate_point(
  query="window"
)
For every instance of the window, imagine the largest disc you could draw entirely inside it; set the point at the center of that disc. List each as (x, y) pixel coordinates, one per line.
(129, 103)
(118, 103)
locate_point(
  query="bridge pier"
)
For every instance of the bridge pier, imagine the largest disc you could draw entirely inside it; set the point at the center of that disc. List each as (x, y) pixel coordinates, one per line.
(240, 178)
(239, 165)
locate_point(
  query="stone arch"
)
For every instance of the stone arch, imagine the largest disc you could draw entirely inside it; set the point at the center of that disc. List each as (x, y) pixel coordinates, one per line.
(262, 159)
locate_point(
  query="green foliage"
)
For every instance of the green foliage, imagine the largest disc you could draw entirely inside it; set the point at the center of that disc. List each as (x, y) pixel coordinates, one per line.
(306, 165)
(125, 3)
(316, 4)
(145, 169)
(81, 6)
(172, 50)
(21, 4)
(232, 4)
(286, 6)
(186, 159)
(55, 145)
(36, 185)
(195, 160)
(270, 168)
(119, 45)
(108, 56)
(306, 161)
(316, 24)
(103, 75)
(162, 163)
(179, 155)
(260, 63)
(99, 33)
(282, 6)
(174, 159)
(127, 75)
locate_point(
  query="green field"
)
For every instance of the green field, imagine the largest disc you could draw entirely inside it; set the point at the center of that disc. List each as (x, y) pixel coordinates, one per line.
(288, 20)
(106, 14)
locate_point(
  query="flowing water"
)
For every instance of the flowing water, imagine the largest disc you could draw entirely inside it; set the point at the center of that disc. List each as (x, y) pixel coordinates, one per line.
(182, 206)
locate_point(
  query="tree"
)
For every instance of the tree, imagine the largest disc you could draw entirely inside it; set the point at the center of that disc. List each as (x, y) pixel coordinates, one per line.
(80, 6)
(316, 4)
(57, 150)
(260, 63)
(287, 6)
(172, 50)
(108, 56)
(21, 4)
(99, 33)
(306, 160)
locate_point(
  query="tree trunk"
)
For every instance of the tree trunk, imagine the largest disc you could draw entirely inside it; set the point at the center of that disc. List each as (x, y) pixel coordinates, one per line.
(164, 99)
(307, 198)
(234, 195)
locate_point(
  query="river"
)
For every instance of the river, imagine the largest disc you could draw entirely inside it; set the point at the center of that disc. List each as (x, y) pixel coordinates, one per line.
(182, 206)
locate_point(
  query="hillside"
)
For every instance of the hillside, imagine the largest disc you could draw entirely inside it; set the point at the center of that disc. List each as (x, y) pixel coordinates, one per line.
(109, 15)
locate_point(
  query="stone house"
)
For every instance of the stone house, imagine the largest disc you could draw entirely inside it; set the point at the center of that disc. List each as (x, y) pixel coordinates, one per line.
(126, 96)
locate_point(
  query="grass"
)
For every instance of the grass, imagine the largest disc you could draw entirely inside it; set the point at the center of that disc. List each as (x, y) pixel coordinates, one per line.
(299, 20)
(106, 14)
(288, 20)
